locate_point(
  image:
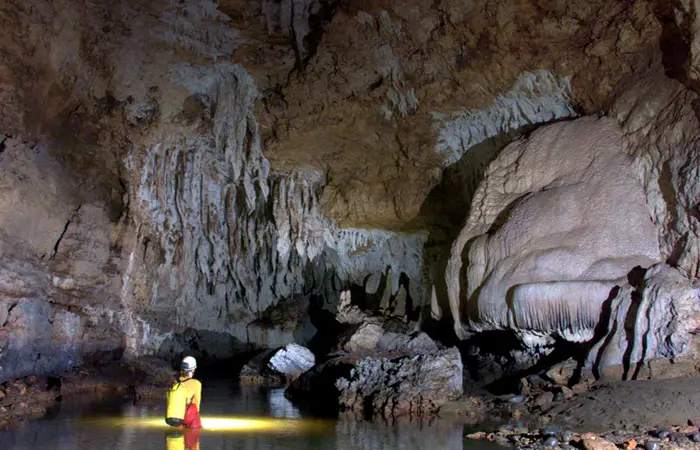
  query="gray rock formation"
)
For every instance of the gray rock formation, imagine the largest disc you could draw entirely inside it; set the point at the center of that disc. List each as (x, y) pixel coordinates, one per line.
(363, 339)
(206, 175)
(414, 343)
(408, 386)
(656, 319)
(292, 361)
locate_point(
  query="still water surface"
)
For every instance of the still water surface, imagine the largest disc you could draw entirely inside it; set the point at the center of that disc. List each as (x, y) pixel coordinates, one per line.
(238, 418)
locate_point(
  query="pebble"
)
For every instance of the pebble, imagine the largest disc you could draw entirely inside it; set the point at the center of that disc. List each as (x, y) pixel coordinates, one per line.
(567, 436)
(551, 442)
(695, 437)
(678, 438)
(652, 445)
(661, 434)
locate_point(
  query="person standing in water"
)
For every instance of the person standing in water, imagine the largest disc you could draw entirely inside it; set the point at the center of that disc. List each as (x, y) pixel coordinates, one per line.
(184, 398)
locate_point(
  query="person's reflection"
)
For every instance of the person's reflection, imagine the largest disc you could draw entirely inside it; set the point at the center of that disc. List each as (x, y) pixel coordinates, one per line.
(182, 439)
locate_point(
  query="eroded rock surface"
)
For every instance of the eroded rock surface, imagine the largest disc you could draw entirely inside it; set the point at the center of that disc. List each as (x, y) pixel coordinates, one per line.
(210, 175)
(417, 385)
(405, 385)
(543, 250)
(292, 360)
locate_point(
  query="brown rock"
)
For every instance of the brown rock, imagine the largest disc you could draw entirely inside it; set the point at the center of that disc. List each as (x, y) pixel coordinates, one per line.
(562, 372)
(580, 388)
(524, 386)
(544, 399)
(630, 445)
(568, 393)
(477, 435)
(591, 441)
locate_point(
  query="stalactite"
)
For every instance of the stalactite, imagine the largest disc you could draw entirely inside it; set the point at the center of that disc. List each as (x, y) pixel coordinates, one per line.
(537, 97)
(207, 202)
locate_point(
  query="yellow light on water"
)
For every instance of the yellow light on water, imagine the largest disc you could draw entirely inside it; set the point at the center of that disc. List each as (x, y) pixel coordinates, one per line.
(225, 424)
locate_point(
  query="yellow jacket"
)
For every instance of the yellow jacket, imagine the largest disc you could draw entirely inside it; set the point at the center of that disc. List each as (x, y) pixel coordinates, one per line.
(182, 393)
(195, 390)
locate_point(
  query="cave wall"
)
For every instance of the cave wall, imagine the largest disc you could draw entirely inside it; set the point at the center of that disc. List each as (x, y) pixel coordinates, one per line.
(179, 175)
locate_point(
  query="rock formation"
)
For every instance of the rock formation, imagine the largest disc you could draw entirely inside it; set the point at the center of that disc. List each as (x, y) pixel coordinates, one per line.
(208, 176)
(543, 252)
(411, 384)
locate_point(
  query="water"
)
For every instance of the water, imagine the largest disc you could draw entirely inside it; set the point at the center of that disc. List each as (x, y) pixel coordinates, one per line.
(234, 418)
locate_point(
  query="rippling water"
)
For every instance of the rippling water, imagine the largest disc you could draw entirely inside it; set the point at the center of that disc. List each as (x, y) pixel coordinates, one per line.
(233, 417)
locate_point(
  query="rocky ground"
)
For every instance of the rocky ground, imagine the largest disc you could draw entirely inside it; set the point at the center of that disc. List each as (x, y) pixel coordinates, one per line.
(28, 398)
(651, 414)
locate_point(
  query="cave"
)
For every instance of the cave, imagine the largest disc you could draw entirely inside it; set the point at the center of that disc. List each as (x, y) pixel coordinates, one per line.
(391, 209)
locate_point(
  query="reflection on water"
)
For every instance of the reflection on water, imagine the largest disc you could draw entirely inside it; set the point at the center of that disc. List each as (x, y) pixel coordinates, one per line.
(233, 418)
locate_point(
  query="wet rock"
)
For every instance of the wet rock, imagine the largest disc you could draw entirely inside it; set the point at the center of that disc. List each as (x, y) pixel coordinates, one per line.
(415, 386)
(678, 438)
(695, 437)
(652, 445)
(257, 372)
(551, 441)
(473, 407)
(591, 441)
(292, 360)
(661, 434)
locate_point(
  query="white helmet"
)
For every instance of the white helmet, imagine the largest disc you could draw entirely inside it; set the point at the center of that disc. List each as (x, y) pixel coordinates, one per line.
(188, 364)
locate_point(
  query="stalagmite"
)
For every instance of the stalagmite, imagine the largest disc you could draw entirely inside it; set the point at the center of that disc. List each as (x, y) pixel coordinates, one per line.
(544, 252)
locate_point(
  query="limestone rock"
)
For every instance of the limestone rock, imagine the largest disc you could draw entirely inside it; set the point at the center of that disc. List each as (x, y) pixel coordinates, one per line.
(257, 372)
(662, 135)
(592, 441)
(364, 338)
(347, 312)
(416, 343)
(292, 360)
(561, 373)
(390, 387)
(664, 322)
(415, 386)
(545, 234)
